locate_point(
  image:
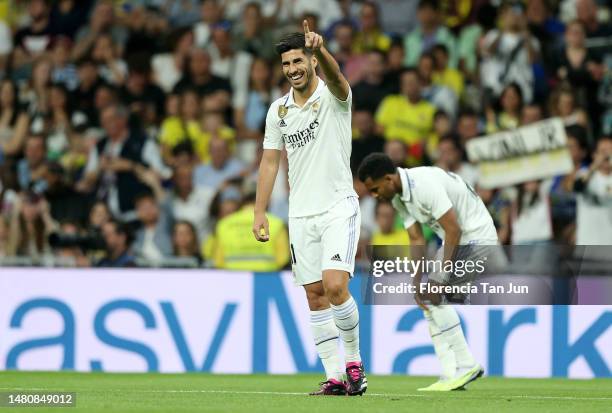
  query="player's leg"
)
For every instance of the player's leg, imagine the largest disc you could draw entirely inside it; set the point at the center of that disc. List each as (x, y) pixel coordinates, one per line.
(339, 237)
(306, 264)
(447, 322)
(445, 355)
(446, 325)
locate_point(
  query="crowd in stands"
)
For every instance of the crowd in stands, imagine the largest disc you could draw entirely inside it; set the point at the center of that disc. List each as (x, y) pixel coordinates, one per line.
(131, 130)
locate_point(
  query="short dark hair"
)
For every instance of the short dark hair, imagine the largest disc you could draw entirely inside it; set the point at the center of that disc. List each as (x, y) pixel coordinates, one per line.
(431, 4)
(292, 41)
(440, 47)
(122, 228)
(145, 194)
(375, 166)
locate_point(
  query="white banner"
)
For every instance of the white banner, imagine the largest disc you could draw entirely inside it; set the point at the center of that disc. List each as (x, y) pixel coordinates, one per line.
(228, 322)
(532, 152)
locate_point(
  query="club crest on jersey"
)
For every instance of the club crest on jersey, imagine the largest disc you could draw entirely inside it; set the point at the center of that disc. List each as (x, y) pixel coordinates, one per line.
(315, 107)
(282, 111)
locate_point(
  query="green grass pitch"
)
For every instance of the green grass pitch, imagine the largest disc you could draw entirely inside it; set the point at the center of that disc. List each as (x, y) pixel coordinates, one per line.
(104, 392)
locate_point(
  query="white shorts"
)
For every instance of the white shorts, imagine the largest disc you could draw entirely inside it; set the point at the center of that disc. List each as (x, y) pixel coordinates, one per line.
(326, 241)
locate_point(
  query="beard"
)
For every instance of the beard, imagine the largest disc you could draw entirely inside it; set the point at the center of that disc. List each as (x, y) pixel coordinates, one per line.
(307, 80)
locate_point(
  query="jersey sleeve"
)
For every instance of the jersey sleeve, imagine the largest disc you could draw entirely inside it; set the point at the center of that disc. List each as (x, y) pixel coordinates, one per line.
(433, 196)
(273, 136)
(341, 105)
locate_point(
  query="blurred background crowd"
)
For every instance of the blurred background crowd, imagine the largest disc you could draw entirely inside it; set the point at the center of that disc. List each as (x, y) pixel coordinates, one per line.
(130, 131)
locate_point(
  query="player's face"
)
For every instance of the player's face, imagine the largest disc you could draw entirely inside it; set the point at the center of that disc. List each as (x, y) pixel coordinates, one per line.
(298, 68)
(381, 188)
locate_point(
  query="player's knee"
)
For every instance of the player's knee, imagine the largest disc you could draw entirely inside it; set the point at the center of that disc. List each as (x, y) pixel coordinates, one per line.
(335, 290)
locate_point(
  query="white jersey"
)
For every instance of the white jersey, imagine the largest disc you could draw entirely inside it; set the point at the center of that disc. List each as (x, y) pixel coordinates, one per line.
(317, 138)
(429, 192)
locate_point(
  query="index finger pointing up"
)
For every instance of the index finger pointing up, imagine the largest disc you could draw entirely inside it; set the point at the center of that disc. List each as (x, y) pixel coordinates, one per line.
(305, 24)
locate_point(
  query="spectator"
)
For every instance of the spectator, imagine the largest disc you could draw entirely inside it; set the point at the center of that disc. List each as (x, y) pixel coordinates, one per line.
(113, 161)
(531, 214)
(531, 113)
(200, 78)
(563, 104)
(387, 233)
(351, 63)
(211, 13)
(118, 238)
(33, 41)
(145, 99)
(98, 216)
(427, 34)
(394, 66)
(397, 17)
(443, 75)
(30, 226)
(234, 251)
(65, 204)
(85, 94)
(443, 126)
(152, 242)
(67, 16)
(64, 71)
(580, 67)
(102, 21)
(586, 11)
(563, 197)
(185, 242)
(111, 68)
(499, 208)
(372, 88)
(168, 67)
(6, 47)
(508, 54)
(396, 150)
(190, 203)
(451, 160)
(508, 113)
(468, 126)
(469, 36)
(251, 36)
(365, 139)
(36, 93)
(546, 28)
(221, 167)
(594, 188)
(250, 120)
(146, 28)
(32, 168)
(407, 116)
(225, 60)
(13, 120)
(182, 13)
(370, 36)
(438, 95)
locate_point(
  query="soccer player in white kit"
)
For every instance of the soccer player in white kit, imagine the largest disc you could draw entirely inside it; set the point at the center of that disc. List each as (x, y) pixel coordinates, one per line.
(313, 123)
(447, 204)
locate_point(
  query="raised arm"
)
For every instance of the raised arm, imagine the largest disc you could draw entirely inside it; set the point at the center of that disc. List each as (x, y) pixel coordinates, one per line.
(336, 82)
(268, 168)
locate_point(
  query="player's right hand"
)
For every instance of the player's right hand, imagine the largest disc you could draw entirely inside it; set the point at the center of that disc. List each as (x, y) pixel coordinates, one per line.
(260, 228)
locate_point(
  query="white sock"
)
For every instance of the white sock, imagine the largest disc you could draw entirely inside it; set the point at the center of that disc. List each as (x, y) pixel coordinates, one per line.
(325, 336)
(447, 320)
(443, 351)
(346, 317)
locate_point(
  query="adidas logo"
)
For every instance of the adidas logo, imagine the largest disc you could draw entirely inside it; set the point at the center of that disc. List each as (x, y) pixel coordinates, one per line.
(336, 258)
(282, 123)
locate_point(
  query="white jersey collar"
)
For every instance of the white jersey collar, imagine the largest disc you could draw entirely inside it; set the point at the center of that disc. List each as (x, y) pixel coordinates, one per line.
(315, 95)
(406, 194)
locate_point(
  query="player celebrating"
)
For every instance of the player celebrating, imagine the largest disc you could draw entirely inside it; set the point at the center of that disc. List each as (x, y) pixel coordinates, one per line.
(442, 200)
(313, 121)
